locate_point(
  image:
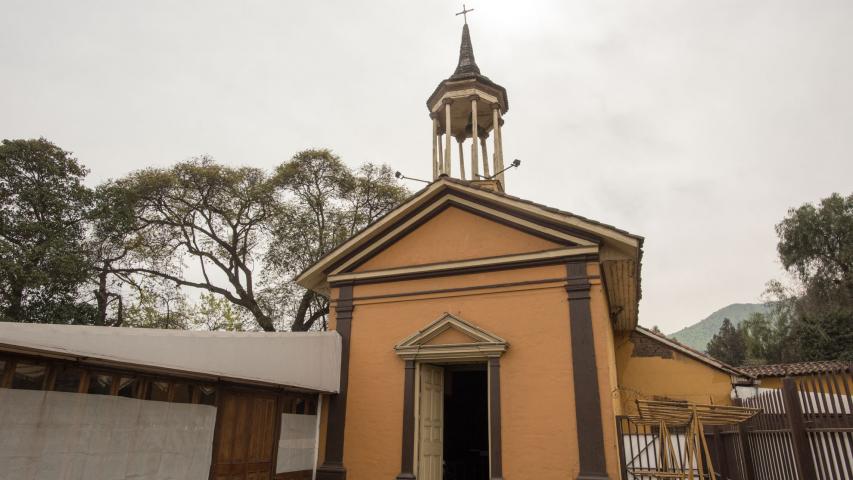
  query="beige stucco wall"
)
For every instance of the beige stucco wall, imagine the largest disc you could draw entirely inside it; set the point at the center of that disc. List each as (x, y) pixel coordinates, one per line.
(537, 390)
(680, 377)
(528, 307)
(455, 234)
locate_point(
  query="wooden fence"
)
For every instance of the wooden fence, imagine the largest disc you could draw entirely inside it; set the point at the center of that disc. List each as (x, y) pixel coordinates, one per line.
(804, 432)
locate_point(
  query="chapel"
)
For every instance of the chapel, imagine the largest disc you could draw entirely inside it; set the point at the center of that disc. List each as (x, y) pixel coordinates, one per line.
(473, 335)
(478, 329)
(486, 336)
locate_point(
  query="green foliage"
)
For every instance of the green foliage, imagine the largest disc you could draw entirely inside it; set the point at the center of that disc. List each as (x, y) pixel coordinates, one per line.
(325, 204)
(728, 344)
(816, 243)
(241, 234)
(210, 214)
(119, 255)
(813, 320)
(766, 334)
(43, 208)
(816, 246)
(159, 305)
(213, 312)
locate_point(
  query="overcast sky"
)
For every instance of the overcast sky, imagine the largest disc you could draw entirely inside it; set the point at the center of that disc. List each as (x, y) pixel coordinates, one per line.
(696, 124)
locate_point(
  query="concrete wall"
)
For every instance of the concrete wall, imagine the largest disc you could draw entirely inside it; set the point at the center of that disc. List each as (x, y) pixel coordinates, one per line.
(53, 435)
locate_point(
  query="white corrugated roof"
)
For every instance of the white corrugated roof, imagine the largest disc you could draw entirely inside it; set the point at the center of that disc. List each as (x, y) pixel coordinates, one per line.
(309, 361)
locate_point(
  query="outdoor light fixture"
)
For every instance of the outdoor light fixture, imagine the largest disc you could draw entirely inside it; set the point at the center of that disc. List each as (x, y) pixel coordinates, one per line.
(400, 175)
(515, 163)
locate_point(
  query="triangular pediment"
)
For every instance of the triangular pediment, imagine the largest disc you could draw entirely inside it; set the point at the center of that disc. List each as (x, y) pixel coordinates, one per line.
(435, 213)
(454, 234)
(349, 262)
(450, 337)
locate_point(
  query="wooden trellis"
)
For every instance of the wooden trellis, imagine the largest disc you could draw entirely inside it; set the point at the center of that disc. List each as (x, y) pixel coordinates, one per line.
(690, 420)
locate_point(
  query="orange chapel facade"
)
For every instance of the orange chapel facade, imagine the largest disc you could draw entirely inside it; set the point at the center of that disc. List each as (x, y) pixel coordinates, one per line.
(479, 330)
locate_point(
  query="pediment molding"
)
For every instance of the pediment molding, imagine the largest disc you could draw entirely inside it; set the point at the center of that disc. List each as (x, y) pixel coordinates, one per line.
(343, 257)
(483, 344)
(395, 233)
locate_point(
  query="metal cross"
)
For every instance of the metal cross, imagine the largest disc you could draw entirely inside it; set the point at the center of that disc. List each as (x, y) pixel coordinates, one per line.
(464, 13)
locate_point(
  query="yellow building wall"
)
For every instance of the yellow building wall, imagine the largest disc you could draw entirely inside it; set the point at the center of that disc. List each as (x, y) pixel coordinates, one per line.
(537, 390)
(452, 235)
(649, 372)
(771, 382)
(526, 306)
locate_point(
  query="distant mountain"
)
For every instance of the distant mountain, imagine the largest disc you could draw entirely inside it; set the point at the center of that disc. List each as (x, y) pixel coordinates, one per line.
(699, 334)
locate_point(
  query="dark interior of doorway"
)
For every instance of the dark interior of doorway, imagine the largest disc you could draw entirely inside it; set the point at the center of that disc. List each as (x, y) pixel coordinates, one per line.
(466, 430)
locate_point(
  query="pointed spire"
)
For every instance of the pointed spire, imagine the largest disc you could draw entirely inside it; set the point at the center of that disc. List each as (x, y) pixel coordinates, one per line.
(467, 64)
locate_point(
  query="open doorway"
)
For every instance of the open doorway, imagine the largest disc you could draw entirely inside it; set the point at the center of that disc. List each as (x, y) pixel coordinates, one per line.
(453, 442)
(466, 417)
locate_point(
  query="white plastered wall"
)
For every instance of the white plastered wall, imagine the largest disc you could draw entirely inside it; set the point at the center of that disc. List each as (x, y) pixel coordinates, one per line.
(57, 435)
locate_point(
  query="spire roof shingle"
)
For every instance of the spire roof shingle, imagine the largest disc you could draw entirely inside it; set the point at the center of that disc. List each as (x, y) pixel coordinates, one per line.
(467, 65)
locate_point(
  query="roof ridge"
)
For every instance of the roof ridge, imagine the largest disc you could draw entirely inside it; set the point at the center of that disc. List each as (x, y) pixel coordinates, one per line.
(797, 368)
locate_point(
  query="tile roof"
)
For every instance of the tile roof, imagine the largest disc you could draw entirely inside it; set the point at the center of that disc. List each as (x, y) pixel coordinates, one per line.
(800, 368)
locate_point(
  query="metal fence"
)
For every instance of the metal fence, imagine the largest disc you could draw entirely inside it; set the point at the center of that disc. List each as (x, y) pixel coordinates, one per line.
(804, 432)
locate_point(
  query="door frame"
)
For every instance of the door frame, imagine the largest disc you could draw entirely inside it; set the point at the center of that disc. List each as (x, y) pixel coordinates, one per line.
(415, 350)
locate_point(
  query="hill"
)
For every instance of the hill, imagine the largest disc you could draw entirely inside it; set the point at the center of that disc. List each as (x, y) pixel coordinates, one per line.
(699, 334)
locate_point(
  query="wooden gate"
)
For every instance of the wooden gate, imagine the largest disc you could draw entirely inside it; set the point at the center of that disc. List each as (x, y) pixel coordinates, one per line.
(246, 439)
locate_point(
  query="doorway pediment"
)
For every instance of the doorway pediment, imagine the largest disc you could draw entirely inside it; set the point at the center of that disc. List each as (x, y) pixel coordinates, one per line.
(451, 338)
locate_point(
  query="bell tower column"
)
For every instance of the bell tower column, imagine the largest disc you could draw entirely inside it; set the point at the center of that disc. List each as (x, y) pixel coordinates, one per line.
(460, 141)
(485, 154)
(499, 150)
(475, 138)
(448, 136)
(436, 146)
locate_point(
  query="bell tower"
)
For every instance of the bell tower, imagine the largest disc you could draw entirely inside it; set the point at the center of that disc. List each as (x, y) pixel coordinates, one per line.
(468, 107)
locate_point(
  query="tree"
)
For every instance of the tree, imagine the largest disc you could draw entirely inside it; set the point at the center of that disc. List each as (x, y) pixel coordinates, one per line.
(816, 243)
(816, 247)
(213, 312)
(811, 319)
(43, 208)
(326, 204)
(112, 240)
(158, 304)
(242, 234)
(766, 334)
(212, 215)
(727, 344)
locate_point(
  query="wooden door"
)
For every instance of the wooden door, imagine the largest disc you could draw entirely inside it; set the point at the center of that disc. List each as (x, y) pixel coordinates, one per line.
(431, 424)
(246, 440)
